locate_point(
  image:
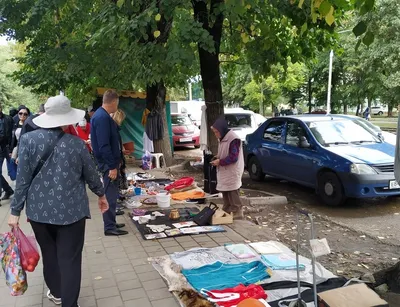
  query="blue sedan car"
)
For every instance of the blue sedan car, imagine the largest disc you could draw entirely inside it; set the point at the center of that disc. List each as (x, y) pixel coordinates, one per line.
(334, 155)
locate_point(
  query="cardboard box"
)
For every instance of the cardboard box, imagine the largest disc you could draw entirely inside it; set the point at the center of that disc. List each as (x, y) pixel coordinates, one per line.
(358, 295)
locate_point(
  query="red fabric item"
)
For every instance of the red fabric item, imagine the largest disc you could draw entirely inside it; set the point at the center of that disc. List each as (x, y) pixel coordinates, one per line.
(71, 130)
(184, 182)
(84, 134)
(238, 294)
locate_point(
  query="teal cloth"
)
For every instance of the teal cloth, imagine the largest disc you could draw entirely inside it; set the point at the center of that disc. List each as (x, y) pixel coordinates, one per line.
(219, 276)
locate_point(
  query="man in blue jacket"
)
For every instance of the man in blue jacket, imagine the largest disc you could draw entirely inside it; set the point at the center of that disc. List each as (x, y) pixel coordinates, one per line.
(107, 152)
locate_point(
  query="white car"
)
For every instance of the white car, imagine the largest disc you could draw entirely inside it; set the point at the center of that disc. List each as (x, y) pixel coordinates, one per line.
(243, 122)
(377, 110)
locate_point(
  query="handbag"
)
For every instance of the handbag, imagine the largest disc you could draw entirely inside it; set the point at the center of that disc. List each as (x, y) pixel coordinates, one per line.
(204, 216)
(46, 156)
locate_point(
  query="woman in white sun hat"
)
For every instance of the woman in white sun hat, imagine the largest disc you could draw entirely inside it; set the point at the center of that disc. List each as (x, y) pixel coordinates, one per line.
(52, 172)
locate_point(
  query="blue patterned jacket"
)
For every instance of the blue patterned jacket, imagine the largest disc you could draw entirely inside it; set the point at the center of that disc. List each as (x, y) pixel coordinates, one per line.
(57, 195)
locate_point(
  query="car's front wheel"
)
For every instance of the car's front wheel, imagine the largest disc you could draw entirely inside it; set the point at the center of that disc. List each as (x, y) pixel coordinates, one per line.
(330, 189)
(380, 113)
(255, 169)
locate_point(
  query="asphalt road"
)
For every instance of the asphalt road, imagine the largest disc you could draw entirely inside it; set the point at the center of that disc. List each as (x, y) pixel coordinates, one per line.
(379, 218)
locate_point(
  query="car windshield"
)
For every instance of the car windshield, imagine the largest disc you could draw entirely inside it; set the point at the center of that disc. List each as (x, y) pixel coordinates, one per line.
(180, 120)
(366, 124)
(338, 132)
(238, 120)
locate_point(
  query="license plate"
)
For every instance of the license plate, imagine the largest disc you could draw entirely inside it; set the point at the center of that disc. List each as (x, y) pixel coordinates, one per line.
(393, 185)
(183, 140)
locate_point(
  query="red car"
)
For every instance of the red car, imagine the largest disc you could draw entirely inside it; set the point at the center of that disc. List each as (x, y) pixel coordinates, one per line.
(184, 132)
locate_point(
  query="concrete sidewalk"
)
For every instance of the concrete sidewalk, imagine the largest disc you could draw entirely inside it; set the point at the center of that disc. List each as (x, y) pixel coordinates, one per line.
(115, 271)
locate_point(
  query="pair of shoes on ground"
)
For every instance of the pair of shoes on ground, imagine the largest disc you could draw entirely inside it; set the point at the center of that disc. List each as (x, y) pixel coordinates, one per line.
(117, 231)
(54, 299)
(119, 211)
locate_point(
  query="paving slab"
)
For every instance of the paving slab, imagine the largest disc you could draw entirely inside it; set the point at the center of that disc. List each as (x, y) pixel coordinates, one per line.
(115, 270)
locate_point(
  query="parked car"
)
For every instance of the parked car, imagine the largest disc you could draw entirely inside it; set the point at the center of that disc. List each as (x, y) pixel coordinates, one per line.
(384, 135)
(378, 110)
(337, 157)
(243, 122)
(185, 132)
(318, 111)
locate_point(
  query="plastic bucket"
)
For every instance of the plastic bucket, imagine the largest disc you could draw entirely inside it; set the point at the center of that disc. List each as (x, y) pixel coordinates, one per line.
(163, 200)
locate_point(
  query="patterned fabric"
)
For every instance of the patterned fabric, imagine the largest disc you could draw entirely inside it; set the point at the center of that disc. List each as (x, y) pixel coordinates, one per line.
(11, 263)
(233, 156)
(57, 195)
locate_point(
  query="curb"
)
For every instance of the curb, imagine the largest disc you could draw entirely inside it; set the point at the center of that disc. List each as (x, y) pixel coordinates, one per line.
(257, 201)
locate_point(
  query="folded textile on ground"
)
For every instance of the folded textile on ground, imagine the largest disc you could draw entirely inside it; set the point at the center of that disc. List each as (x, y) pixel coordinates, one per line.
(220, 276)
(281, 262)
(241, 251)
(233, 296)
(188, 194)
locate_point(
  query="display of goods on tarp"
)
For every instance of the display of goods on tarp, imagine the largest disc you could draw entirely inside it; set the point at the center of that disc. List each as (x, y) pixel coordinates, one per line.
(11, 263)
(192, 194)
(238, 275)
(168, 223)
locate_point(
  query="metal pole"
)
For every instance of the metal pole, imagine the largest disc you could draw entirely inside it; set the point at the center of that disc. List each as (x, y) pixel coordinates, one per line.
(313, 261)
(328, 98)
(190, 91)
(262, 98)
(309, 95)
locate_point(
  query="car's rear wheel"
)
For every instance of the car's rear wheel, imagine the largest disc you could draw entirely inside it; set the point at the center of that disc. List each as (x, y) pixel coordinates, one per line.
(330, 189)
(255, 169)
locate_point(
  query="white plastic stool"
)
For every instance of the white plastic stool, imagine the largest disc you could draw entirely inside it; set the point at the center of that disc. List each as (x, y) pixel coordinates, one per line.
(158, 157)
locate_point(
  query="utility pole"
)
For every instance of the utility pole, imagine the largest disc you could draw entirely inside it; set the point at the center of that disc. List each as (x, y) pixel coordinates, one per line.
(262, 98)
(328, 98)
(190, 91)
(310, 80)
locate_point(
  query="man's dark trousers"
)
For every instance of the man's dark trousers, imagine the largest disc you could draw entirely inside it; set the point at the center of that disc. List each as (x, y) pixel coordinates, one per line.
(4, 186)
(111, 189)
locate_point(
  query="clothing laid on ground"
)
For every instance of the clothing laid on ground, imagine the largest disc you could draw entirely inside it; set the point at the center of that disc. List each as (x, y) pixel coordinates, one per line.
(61, 248)
(233, 296)
(232, 201)
(57, 194)
(282, 262)
(154, 126)
(220, 276)
(105, 141)
(241, 251)
(188, 194)
(233, 156)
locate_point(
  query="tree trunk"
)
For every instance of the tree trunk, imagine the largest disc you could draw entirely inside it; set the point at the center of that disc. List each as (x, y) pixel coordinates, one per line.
(390, 110)
(209, 65)
(309, 95)
(345, 108)
(155, 100)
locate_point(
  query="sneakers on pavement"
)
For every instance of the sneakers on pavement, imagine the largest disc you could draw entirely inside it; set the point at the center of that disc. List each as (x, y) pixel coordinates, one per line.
(55, 300)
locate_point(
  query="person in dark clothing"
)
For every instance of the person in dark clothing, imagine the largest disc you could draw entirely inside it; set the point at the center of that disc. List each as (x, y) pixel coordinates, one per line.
(29, 125)
(104, 137)
(13, 112)
(6, 129)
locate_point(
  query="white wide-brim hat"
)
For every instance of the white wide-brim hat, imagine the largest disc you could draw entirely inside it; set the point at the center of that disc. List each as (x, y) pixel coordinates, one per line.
(58, 113)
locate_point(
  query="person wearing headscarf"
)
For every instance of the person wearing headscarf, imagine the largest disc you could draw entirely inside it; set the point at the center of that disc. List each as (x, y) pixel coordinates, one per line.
(230, 167)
